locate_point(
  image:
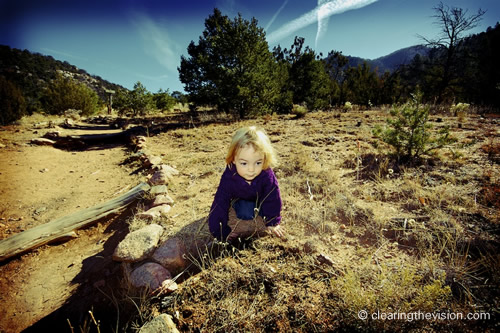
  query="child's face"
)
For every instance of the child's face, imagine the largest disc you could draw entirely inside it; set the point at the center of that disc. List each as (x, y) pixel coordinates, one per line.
(248, 162)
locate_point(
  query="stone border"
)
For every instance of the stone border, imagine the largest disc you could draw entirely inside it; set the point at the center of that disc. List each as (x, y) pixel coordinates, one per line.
(147, 263)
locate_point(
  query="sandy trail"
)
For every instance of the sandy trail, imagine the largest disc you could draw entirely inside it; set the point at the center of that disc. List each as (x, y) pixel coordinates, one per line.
(42, 183)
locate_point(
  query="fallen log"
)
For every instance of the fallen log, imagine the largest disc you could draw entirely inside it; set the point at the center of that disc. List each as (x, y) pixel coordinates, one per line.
(60, 228)
(85, 140)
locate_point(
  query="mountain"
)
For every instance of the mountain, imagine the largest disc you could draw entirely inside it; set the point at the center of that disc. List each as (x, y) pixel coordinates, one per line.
(391, 61)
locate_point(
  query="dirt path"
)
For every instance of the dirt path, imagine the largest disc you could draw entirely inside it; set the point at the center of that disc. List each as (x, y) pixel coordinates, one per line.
(39, 184)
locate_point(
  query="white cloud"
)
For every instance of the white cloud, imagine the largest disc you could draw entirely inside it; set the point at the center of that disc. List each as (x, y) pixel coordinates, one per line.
(158, 44)
(320, 14)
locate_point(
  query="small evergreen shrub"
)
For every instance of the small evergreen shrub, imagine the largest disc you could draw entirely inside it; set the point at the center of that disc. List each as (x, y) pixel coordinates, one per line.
(347, 107)
(299, 110)
(459, 108)
(409, 132)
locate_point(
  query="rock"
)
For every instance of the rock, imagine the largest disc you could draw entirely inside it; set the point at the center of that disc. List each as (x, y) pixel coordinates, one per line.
(160, 324)
(135, 157)
(169, 286)
(154, 212)
(138, 244)
(43, 142)
(40, 125)
(171, 255)
(140, 138)
(159, 189)
(163, 175)
(52, 135)
(136, 140)
(68, 122)
(151, 160)
(324, 259)
(169, 169)
(162, 199)
(72, 114)
(309, 247)
(40, 210)
(149, 275)
(159, 178)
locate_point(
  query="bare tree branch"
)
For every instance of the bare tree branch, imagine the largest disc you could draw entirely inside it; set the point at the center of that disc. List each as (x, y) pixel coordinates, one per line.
(454, 23)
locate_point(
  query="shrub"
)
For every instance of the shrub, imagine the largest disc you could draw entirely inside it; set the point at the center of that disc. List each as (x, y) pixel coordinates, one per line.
(12, 103)
(137, 101)
(347, 107)
(64, 93)
(459, 110)
(299, 110)
(408, 131)
(163, 100)
(141, 99)
(460, 107)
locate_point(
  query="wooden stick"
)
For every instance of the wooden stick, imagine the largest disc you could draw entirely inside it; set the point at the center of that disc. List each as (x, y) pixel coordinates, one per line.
(59, 228)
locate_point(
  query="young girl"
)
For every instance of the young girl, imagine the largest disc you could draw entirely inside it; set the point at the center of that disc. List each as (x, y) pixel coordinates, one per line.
(248, 200)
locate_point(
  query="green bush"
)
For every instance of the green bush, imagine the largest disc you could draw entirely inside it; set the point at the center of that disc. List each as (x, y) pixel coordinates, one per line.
(121, 101)
(347, 107)
(409, 133)
(299, 110)
(137, 101)
(64, 93)
(163, 100)
(12, 103)
(460, 107)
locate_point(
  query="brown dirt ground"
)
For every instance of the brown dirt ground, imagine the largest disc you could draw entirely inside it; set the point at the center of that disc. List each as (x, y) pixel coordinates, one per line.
(39, 184)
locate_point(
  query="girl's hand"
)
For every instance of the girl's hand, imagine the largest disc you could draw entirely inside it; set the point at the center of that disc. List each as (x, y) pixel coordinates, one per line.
(277, 230)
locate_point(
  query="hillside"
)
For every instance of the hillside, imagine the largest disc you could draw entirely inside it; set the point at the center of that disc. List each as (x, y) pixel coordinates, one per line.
(32, 71)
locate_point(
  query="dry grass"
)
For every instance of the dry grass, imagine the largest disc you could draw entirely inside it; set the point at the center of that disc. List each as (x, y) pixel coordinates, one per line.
(364, 232)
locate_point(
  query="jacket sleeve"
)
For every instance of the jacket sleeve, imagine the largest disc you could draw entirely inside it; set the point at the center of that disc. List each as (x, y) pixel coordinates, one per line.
(270, 200)
(218, 217)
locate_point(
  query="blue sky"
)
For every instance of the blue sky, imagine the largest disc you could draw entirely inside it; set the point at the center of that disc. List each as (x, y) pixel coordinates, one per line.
(125, 41)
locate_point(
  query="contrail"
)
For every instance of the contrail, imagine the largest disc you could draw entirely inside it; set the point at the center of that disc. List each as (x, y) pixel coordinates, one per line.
(276, 15)
(322, 20)
(319, 14)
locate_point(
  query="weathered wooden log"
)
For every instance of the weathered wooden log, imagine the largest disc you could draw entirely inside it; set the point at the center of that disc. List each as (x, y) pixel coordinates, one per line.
(82, 141)
(59, 228)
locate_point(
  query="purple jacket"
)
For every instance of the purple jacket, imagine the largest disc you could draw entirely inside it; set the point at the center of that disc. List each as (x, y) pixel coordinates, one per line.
(264, 190)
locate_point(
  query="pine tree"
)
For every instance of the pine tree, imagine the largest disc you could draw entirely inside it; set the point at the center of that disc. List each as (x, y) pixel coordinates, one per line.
(231, 67)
